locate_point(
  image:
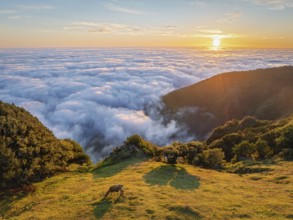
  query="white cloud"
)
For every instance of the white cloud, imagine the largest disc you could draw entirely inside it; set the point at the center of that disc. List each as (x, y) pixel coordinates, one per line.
(116, 8)
(15, 17)
(124, 29)
(198, 3)
(231, 17)
(274, 4)
(104, 28)
(20, 8)
(79, 93)
(121, 29)
(17, 12)
(207, 35)
(34, 7)
(210, 31)
(7, 11)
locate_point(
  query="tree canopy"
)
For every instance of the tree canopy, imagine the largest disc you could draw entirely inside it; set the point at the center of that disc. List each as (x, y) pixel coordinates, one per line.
(29, 151)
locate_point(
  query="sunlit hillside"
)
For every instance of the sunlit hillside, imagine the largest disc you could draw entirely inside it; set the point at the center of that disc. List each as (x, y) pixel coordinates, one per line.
(155, 190)
(263, 93)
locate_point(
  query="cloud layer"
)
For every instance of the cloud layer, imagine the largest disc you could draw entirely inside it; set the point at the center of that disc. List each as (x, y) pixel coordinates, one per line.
(274, 4)
(79, 93)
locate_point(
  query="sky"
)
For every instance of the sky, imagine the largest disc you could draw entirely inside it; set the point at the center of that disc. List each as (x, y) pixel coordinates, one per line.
(146, 23)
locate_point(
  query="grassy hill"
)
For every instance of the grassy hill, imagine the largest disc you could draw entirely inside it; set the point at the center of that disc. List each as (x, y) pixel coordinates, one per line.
(154, 190)
(263, 93)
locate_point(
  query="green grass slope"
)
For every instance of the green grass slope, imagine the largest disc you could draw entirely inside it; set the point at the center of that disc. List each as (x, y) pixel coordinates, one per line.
(263, 93)
(154, 190)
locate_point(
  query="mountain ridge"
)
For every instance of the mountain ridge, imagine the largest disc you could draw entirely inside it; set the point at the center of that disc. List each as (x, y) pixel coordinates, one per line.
(263, 93)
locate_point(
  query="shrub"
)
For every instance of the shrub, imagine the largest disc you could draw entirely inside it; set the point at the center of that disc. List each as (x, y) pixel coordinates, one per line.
(134, 146)
(170, 155)
(250, 135)
(195, 148)
(29, 151)
(244, 150)
(147, 147)
(189, 150)
(123, 152)
(248, 122)
(226, 143)
(135, 140)
(211, 158)
(9, 166)
(263, 151)
(186, 151)
(219, 132)
(286, 138)
(286, 153)
(73, 152)
(270, 138)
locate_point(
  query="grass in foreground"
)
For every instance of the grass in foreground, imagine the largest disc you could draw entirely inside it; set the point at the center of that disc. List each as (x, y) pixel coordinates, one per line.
(157, 191)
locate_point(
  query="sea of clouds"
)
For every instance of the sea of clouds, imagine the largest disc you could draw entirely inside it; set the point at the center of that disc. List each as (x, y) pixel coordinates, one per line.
(85, 94)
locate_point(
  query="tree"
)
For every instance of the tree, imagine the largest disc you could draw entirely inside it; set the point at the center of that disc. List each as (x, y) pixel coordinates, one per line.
(244, 150)
(285, 142)
(211, 158)
(226, 143)
(229, 127)
(147, 147)
(29, 151)
(170, 155)
(194, 148)
(286, 138)
(73, 152)
(9, 165)
(187, 151)
(263, 150)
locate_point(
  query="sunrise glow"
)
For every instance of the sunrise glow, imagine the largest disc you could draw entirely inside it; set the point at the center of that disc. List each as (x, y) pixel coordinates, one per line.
(146, 23)
(216, 42)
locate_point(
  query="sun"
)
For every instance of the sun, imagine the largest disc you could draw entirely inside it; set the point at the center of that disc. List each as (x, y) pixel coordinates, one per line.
(216, 42)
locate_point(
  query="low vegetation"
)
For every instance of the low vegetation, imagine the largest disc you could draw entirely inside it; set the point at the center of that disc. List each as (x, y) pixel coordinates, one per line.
(236, 140)
(254, 139)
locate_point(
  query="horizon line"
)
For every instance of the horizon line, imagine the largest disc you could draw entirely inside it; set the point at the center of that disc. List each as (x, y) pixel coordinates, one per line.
(146, 47)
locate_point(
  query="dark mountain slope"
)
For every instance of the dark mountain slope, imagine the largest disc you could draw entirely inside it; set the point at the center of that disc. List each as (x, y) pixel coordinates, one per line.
(263, 93)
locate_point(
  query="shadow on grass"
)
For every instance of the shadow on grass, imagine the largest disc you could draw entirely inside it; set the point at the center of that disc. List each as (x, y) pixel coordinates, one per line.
(111, 170)
(176, 177)
(104, 205)
(101, 208)
(6, 202)
(9, 197)
(185, 212)
(247, 170)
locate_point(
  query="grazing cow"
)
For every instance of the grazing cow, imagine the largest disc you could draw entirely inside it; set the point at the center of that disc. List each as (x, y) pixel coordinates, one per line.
(115, 188)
